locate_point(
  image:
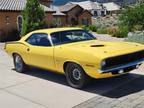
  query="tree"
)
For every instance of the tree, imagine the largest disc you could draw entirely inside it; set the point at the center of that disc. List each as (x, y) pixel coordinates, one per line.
(133, 17)
(33, 17)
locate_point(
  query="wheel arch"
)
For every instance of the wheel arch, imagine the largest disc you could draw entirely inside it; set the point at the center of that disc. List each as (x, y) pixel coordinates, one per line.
(18, 54)
(15, 53)
(70, 61)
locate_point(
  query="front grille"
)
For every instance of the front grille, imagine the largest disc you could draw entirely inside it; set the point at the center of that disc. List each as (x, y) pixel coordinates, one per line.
(123, 59)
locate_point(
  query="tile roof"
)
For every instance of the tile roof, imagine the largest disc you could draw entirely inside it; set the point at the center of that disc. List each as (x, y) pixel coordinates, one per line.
(88, 5)
(17, 5)
(58, 13)
(67, 7)
(111, 6)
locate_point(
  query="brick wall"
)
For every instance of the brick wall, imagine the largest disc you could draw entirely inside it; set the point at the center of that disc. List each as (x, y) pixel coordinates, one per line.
(48, 18)
(72, 14)
(85, 15)
(8, 20)
(62, 20)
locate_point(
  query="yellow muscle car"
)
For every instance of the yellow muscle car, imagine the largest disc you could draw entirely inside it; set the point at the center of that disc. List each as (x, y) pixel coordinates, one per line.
(76, 53)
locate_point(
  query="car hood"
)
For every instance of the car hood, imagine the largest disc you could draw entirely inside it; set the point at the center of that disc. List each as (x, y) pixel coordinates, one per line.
(105, 49)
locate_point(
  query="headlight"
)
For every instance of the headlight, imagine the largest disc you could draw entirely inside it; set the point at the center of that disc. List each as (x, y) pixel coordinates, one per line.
(103, 63)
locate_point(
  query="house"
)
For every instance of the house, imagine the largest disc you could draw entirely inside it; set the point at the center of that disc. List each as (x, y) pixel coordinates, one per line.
(59, 19)
(47, 3)
(73, 14)
(66, 15)
(10, 14)
(111, 8)
(99, 9)
(95, 8)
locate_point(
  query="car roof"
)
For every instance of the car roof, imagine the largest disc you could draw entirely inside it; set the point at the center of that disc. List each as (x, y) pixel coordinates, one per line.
(52, 30)
(49, 31)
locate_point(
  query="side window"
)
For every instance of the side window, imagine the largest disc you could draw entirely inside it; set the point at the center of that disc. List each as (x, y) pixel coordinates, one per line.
(55, 37)
(39, 39)
(67, 36)
(74, 36)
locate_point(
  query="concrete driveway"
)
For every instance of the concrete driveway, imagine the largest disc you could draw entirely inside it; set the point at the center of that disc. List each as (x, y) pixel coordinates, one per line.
(43, 89)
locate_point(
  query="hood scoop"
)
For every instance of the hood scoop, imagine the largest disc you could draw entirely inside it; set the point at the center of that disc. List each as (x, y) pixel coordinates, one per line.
(97, 45)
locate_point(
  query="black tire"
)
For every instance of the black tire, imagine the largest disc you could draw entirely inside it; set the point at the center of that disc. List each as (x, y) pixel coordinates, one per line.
(76, 77)
(19, 64)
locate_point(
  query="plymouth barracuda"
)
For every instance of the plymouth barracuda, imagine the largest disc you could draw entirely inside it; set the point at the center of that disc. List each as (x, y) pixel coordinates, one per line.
(76, 53)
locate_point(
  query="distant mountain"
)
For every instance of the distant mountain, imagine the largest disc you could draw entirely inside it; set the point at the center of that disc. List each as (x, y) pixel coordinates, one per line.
(61, 2)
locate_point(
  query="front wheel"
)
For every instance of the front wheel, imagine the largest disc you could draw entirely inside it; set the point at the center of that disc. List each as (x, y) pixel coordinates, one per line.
(19, 63)
(76, 77)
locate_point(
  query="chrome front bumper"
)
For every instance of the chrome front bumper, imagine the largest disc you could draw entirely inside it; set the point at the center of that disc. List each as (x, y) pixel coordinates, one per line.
(120, 67)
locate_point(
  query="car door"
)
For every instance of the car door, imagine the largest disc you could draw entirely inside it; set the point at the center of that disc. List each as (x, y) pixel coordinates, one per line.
(40, 51)
(59, 52)
(55, 37)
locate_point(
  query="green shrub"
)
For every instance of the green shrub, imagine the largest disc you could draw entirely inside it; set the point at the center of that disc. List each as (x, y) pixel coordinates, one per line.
(137, 27)
(121, 32)
(136, 37)
(112, 30)
(102, 31)
(93, 28)
(85, 27)
(52, 25)
(33, 17)
(132, 17)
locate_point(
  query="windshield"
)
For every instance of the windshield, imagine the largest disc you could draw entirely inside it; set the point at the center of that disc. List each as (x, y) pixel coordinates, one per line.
(71, 36)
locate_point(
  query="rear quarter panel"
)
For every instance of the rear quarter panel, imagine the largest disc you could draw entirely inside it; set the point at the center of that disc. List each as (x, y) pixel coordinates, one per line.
(17, 47)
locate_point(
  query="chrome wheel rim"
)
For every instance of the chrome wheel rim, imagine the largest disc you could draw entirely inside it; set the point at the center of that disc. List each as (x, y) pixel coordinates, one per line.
(18, 63)
(76, 73)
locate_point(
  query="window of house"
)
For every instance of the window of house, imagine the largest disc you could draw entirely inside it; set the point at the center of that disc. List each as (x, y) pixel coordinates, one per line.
(7, 20)
(19, 23)
(74, 22)
(102, 13)
(39, 39)
(57, 21)
(95, 13)
(85, 21)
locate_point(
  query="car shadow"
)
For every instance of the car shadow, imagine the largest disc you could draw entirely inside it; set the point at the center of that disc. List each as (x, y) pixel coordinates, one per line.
(116, 87)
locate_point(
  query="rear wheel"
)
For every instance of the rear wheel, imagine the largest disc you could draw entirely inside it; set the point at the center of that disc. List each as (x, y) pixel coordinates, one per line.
(19, 63)
(75, 75)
